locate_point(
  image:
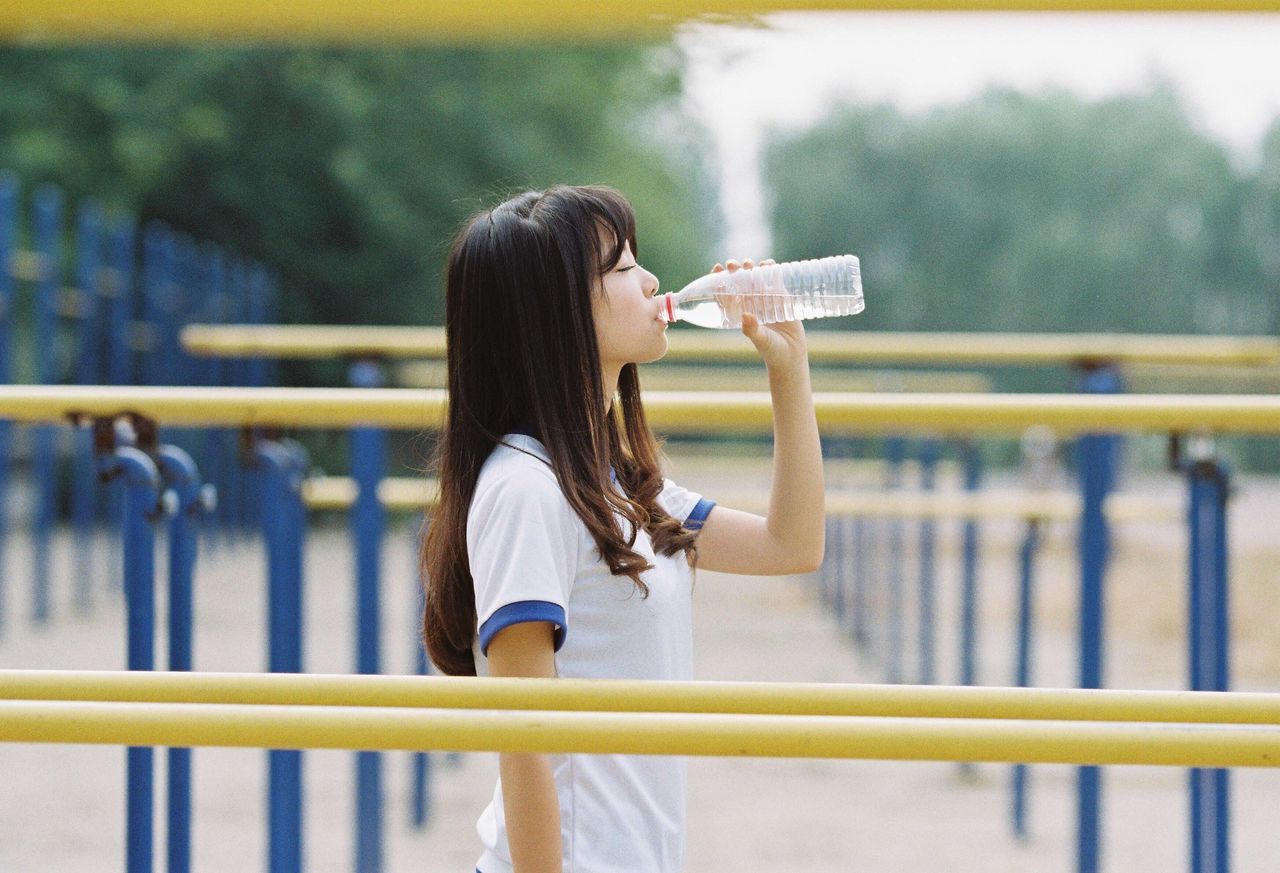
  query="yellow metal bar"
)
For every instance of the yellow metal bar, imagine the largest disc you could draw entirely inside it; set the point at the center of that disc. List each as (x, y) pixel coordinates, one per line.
(227, 407)
(1046, 507)
(306, 341)
(668, 411)
(431, 374)
(312, 341)
(998, 413)
(414, 494)
(399, 493)
(766, 736)
(611, 695)
(437, 20)
(1195, 379)
(993, 348)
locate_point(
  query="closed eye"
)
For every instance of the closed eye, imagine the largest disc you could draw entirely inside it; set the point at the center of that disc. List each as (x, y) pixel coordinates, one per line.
(624, 269)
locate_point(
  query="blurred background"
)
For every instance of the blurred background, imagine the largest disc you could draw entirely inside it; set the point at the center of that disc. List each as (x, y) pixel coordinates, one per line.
(1034, 173)
(1007, 173)
(993, 172)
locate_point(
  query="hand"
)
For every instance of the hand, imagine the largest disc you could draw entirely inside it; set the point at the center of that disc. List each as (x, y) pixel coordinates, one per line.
(781, 344)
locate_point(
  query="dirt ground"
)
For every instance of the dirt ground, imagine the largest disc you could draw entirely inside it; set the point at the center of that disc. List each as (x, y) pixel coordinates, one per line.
(61, 808)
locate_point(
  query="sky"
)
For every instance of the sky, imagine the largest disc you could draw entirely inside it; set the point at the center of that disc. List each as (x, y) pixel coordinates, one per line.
(794, 68)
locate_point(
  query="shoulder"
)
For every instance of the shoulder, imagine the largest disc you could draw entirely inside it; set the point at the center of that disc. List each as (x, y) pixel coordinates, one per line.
(517, 477)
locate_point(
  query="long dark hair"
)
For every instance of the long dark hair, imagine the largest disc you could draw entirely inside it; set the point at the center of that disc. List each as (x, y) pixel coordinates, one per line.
(522, 353)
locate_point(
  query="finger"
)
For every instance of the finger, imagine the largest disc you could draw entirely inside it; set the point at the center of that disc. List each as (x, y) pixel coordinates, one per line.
(767, 261)
(732, 265)
(748, 264)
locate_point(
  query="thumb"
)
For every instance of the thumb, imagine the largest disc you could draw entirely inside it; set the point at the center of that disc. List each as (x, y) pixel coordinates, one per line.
(751, 328)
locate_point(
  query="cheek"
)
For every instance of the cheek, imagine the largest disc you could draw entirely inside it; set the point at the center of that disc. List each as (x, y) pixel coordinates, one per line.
(610, 326)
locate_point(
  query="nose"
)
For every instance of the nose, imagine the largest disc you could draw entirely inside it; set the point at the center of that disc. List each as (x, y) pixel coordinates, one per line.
(650, 285)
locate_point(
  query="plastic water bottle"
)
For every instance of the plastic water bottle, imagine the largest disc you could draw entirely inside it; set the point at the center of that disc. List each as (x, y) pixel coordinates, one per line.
(775, 292)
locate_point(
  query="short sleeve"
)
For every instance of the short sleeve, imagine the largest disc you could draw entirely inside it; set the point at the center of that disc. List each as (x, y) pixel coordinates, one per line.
(689, 508)
(522, 544)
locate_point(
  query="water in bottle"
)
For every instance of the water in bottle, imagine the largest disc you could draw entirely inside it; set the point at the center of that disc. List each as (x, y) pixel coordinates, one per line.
(774, 292)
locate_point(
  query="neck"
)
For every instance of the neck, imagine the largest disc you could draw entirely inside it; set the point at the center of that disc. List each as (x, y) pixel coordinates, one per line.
(609, 383)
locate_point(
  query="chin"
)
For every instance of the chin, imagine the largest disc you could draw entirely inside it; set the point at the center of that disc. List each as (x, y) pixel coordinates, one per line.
(659, 352)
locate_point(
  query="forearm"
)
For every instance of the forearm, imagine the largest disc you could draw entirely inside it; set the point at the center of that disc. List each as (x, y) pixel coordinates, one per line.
(532, 812)
(796, 514)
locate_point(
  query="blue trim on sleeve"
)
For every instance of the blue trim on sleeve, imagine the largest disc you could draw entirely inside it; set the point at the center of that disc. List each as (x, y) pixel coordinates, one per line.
(699, 514)
(520, 612)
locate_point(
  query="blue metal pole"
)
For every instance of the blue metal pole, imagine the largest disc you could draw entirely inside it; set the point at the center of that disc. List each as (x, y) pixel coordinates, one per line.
(1222, 666)
(298, 538)
(1097, 461)
(184, 281)
(121, 302)
(368, 521)
(89, 251)
(142, 488)
(1208, 641)
(273, 315)
(1199, 567)
(422, 772)
(257, 294)
(181, 476)
(186, 288)
(214, 296)
(281, 493)
(1022, 667)
(837, 555)
(838, 539)
(248, 511)
(8, 245)
(842, 530)
(857, 530)
(1221, 603)
(829, 575)
(421, 760)
(157, 267)
(929, 452)
(84, 490)
(231, 515)
(895, 455)
(972, 461)
(48, 220)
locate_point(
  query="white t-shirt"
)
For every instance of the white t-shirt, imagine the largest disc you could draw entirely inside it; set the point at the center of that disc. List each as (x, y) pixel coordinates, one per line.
(532, 559)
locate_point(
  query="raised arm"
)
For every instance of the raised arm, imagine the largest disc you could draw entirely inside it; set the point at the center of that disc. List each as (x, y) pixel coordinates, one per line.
(790, 539)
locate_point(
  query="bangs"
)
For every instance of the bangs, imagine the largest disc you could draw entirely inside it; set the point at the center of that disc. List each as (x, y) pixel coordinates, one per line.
(616, 221)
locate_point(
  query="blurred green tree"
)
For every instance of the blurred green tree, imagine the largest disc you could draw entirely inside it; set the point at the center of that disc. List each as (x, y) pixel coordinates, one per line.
(347, 170)
(1043, 212)
(1016, 212)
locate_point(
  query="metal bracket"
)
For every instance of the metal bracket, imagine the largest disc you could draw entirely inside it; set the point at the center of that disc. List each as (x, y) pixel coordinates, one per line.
(1197, 455)
(250, 436)
(1175, 451)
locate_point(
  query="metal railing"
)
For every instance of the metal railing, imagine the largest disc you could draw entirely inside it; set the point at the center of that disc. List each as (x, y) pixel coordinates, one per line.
(825, 347)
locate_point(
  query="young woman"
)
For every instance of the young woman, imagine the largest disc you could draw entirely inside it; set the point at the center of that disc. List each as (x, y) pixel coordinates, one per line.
(557, 548)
